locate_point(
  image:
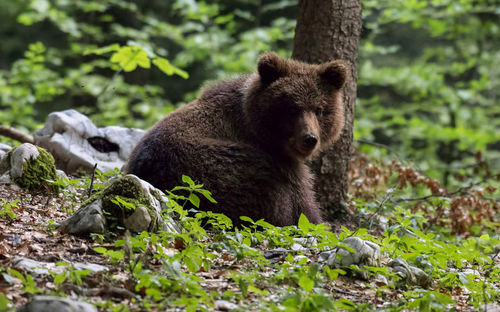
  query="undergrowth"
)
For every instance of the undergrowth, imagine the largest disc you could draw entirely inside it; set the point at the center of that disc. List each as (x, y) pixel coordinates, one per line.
(450, 234)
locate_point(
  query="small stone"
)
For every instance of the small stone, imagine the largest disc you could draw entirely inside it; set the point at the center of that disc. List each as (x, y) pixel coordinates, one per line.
(92, 267)
(299, 258)
(276, 255)
(38, 268)
(306, 241)
(139, 220)
(298, 247)
(366, 253)
(421, 278)
(380, 280)
(410, 275)
(56, 304)
(224, 305)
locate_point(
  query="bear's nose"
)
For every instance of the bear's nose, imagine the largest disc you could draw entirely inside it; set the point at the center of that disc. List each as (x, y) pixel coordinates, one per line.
(310, 140)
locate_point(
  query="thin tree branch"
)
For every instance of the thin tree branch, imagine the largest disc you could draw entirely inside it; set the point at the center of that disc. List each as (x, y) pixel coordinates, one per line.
(15, 134)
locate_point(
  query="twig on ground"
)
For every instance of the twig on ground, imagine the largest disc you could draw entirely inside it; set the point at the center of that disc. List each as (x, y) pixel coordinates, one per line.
(460, 190)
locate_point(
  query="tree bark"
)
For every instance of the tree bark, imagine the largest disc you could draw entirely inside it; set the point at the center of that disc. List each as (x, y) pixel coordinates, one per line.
(328, 30)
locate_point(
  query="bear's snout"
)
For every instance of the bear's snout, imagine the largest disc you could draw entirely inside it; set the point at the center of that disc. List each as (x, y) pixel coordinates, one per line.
(309, 141)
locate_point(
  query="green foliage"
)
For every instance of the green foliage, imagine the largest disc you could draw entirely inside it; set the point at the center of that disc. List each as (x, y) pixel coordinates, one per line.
(75, 276)
(4, 303)
(166, 269)
(27, 281)
(6, 209)
(64, 68)
(427, 88)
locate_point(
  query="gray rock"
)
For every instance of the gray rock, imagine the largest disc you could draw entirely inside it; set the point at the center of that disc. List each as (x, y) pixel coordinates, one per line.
(61, 174)
(77, 143)
(88, 219)
(306, 241)
(5, 178)
(38, 268)
(410, 275)
(139, 220)
(92, 267)
(490, 307)
(366, 253)
(276, 255)
(4, 168)
(20, 156)
(4, 148)
(56, 304)
(298, 258)
(4, 163)
(298, 247)
(224, 305)
(380, 280)
(146, 216)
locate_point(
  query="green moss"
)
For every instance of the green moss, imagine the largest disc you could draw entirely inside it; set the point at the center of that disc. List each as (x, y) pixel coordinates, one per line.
(131, 191)
(38, 171)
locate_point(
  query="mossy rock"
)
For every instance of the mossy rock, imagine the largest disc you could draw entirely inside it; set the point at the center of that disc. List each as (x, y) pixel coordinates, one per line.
(130, 189)
(37, 172)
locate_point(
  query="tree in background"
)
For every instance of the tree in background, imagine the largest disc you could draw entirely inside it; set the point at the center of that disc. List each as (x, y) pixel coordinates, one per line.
(428, 87)
(328, 30)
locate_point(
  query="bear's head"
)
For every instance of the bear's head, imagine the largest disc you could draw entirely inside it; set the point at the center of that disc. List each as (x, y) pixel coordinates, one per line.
(294, 109)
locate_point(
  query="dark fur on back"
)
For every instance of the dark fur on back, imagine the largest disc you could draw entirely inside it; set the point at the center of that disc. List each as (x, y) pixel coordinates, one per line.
(247, 140)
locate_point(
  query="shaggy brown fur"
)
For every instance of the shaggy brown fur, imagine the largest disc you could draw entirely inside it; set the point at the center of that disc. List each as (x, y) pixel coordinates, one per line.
(247, 140)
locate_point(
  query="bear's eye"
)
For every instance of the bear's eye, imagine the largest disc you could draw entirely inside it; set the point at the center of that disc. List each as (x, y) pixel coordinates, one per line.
(319, 112)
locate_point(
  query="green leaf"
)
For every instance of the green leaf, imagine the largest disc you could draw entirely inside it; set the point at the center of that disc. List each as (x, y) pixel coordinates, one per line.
(100, 250)
(129, 57)
(192, 265)
(59, 278)
(194, 199)
(306, 283)
(247, 219)
(165, 66)
(17, 274)
(4, 303)
(304, 223)
(187, 180)
(110, 48)
(264, 224)
(207, 195)
(256, 290)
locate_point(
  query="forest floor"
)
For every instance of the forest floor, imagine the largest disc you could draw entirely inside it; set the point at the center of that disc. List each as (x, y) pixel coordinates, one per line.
(225, 270)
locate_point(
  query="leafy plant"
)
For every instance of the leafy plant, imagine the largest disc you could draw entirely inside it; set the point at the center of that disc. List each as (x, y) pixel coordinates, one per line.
(6, 209)
(27, 281)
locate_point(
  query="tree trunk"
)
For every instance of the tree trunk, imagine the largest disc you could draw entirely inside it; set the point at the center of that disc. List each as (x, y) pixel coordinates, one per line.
(328, 30)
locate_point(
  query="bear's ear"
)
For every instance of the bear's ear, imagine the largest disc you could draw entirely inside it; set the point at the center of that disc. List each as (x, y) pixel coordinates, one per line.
(271, 67)
(334, 73)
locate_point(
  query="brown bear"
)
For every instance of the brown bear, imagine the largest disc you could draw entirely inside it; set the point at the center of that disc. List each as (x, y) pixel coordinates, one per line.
(247, 140)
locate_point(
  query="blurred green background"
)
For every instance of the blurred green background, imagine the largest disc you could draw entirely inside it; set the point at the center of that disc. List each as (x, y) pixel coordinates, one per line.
(429, 73)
